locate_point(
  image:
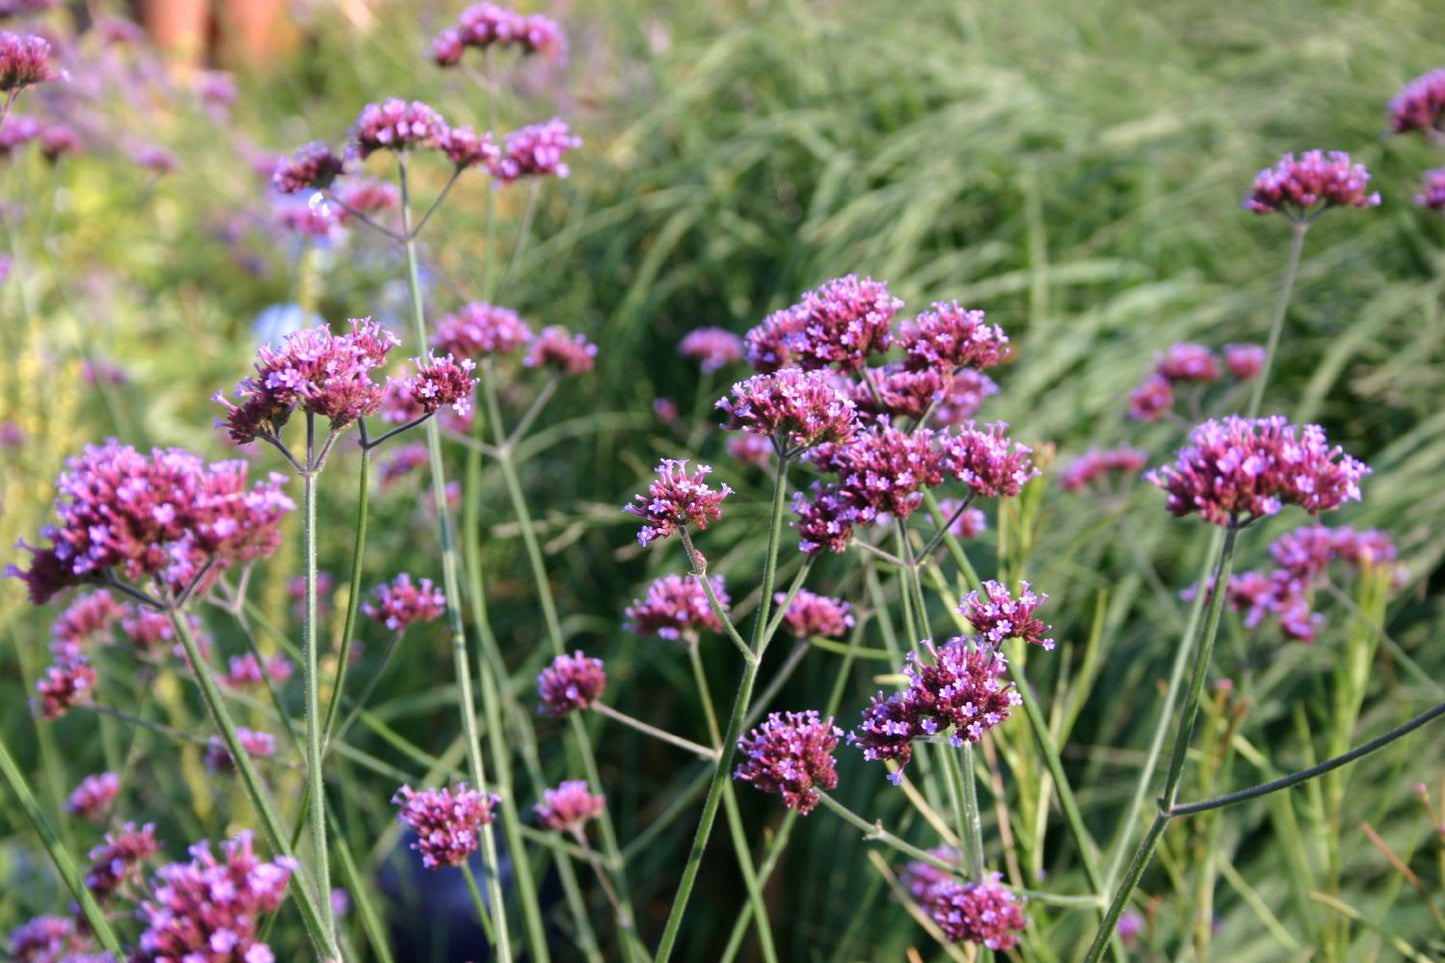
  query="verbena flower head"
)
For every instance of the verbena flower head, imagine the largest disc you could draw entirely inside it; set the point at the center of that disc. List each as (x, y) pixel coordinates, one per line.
(894, 391)
(1432, 195)
(402, 462)
(118, 860)
(24, 60)
(750, 449)
(840, 324)
(1244, 361)
(46, 939)
(568, 807)
(677, 499)
(465, 148)
(396, 125)
(258, 745)
(1153, 399)
(93, 798)
(713, 347)
(247, 671)
(86, 621)
(571, 682)
(997, 616)
(791, 754)
(987, 461)
(439, 382)
(676, 607)
(1300, 188)
(1241, 469)
(810, 615)
(364, 195)
(950, 337)
(982, 912)
(1420, 105)
(969, 523)
(798, 408)
(478, 330)
(484, 25)
(535, 151)
(312, 370)
(313, 167)
(160, 517)
(446, 821)
(57, 140)
(962, 397)
(562, 351)
(1094, 465)
(1188, 362)
(400, 603)
(65, 684)
(209, 909)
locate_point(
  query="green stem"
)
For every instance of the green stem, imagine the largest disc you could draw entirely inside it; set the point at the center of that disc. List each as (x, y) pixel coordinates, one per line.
(480, 903)
(874, 832)
(353, 597)
(70, 873)
(662, 735)
(735, 724)
(452, 588)
(1297, 243)
(971, 810)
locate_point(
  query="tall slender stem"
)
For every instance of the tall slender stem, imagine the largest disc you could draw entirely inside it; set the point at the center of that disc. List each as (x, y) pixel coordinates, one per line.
(452, 587)
(353, 595)
(1281, 308)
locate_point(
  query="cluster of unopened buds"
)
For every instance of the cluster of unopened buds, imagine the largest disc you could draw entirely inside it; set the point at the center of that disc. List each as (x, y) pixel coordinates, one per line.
(1186, 364)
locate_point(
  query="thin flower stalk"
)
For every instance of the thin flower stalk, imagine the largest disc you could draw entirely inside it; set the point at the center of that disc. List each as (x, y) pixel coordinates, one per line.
(741, 702)
(452, 588)
(353, 595)
(1281, 307)
(702, 752)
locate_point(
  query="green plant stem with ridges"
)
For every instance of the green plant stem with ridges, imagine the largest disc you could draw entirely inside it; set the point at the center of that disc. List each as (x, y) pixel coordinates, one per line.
(322, 939)
(1203, 650)
(353, 598)
(310, 673)
(735, 721)
(610, 848)
(1281, 308)
(452, 588)
(65, 865)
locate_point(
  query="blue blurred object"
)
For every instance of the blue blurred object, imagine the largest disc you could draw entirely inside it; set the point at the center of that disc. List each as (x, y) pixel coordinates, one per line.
(278, 320)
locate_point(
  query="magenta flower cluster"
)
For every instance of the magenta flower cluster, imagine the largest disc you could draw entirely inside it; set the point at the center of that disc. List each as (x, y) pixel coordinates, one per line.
(677, 499)
(1420, 105)
(562, 351)
(400, 603)
(47, 939)
(811, 615)
(791, 754)
(396, 125)
(1302, 187)
(257, 745)
(246, 671)
(1432, 194)
(446, 821)
(676, 607)
(1094, 465)
(535, 151)
(984, 911)
(840, 324)
(1186, 363)
(568, 807)
(997, 615)
(487, 25)
(961, 690)
(165, 518)
(118, 860)
(86, 621)
(437, 383)
(713, 347)
(571, 682)
(24, 61)
(312, 167)
(208, 910)
(93, 798)
(479, 330)
(797, 409)
(313, 371)
(1235, 471)
(949, 337)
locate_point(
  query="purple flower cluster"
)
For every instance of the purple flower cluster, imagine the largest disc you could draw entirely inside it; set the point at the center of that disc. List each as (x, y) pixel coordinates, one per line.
(810, 615)
(1241, 469)
(571, 682)
(792, 754)
(65, 684)
(566, 808)
(118, 860)
(1244, 361)
(402, 462)
(562, 351)
(313, 370)
(962, 396)
(445, 821)
(894, 391)
(950, 337)
(208, 910)
(396, 125)
(466, 148)
(535, 151)
(983, 912)
(93, 798)
(246, 671)
(258, 745)
(798, 409)
(963, 689)
(677, 499)
(676, 607)
(24, 60)
(1300, 188)
(313, 167)
(47, 939)
(1420, 105)
(1432, 195)
(997, 616)
(485, 25)
(969, 523)
(398, 604)
(164, 518)
(85, 621)
(439, 382)
(840, 324)
(1094, 465)
(714, 347)
(1189, 363)
(479, 330)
